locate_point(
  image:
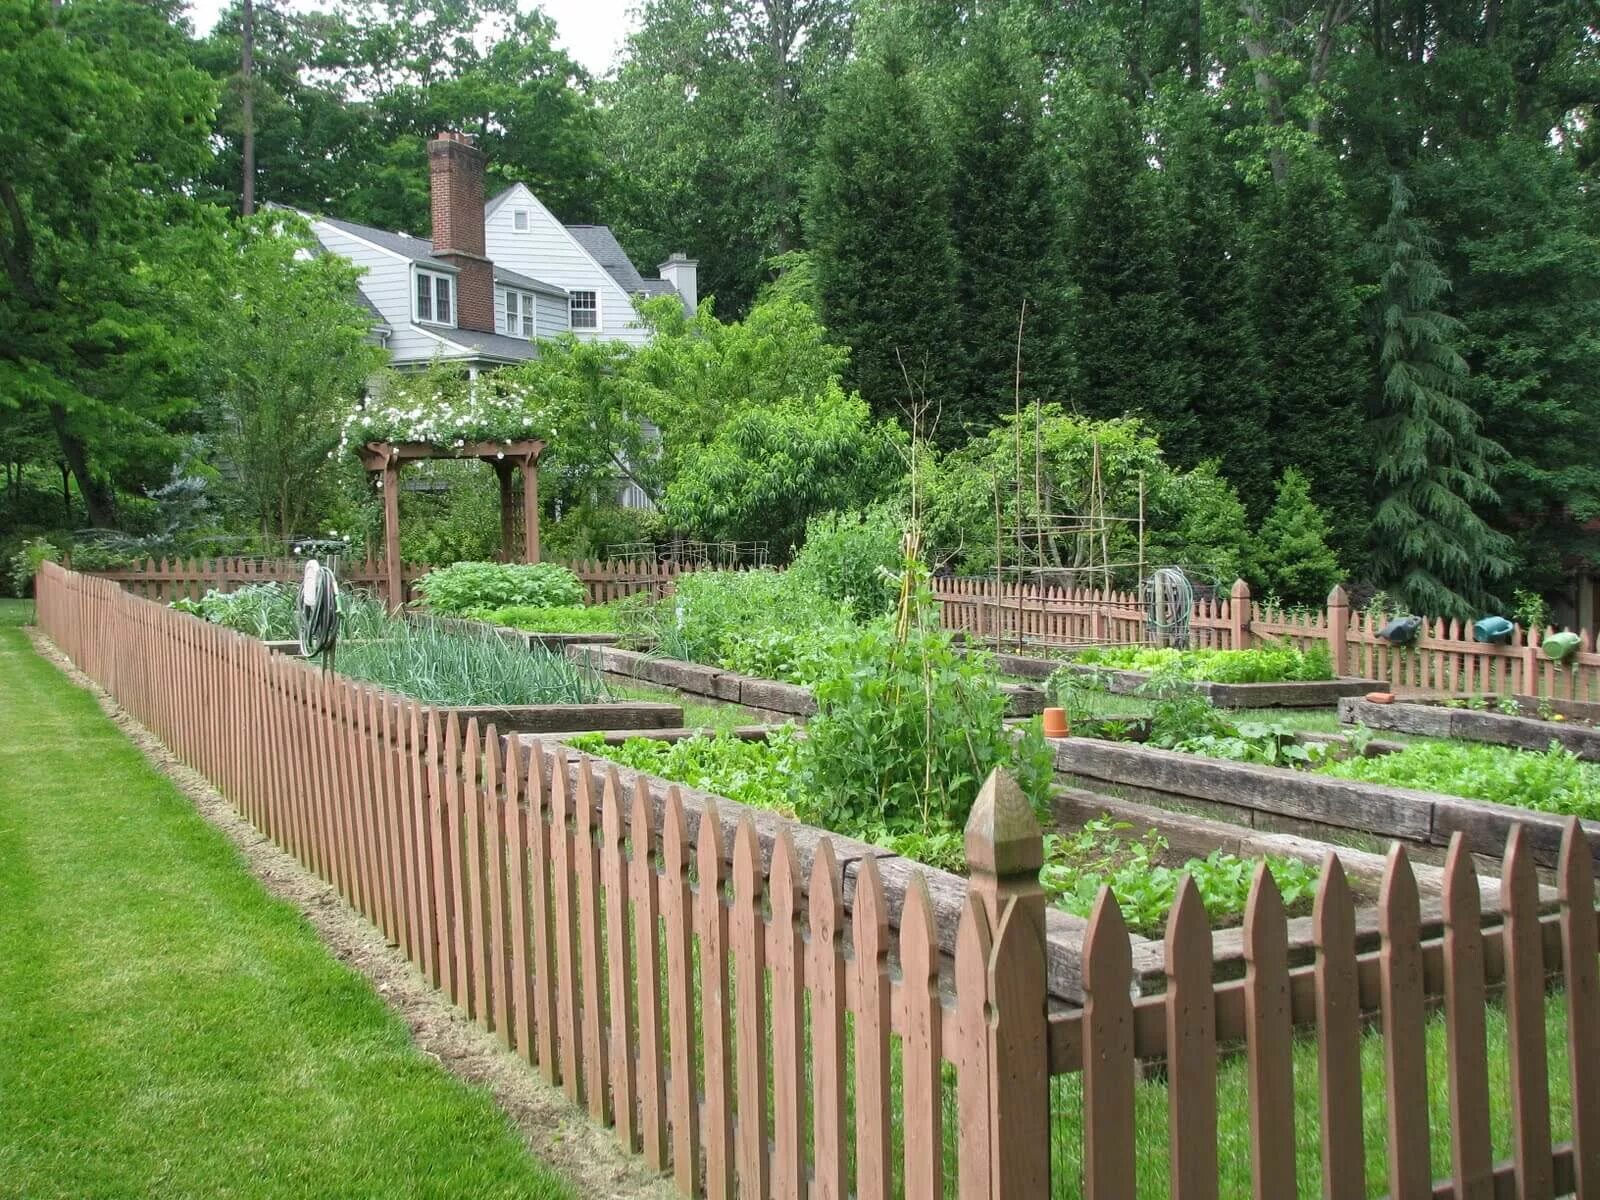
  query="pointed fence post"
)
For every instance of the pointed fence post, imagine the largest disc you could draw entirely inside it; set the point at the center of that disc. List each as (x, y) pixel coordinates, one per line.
(1339, 629)
(1239, 616)
(1005, 850)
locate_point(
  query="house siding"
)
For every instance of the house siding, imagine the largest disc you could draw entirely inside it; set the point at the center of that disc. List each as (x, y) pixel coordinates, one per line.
(387, 283)
(547, 251)
(550, 312)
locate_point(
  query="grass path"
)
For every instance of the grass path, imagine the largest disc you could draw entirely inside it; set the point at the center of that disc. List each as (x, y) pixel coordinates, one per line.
(166, 1027)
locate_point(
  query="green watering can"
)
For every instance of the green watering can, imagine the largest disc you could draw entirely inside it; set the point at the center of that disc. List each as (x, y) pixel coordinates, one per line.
(1494, 630)
(1561, 646)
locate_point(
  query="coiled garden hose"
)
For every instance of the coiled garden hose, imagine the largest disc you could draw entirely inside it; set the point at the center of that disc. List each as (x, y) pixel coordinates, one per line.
(317, 613)
(1169, 603)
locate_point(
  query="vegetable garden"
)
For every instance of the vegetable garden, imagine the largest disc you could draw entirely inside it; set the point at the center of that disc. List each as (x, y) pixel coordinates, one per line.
(907, 727)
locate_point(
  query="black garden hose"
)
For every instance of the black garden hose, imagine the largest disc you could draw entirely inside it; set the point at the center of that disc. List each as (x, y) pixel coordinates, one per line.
(317, 613)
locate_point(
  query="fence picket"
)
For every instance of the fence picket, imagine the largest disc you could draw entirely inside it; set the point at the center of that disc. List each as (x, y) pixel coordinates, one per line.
(870, 937)
(587, 865)
(920, 1045)
(647, 974)
(974, 947)
(620, 1043)
(514, 826)
(1471, 1158)
(1108, 1147)
(496, 944)
(788, 1022)
(422, 822)
(447, 792)
(1575, 888)
(541, 787)
(463, 847)
(1530, 1084)
(677, 918)
(825, 971)
(1191, 1049)
(1400, 971)
(1269, 1039)
(750, 984)
(711, 925)
(566, 925)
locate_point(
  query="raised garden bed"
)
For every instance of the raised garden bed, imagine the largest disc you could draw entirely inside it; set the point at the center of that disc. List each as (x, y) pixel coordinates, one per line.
(1315, 693)
(1188, 837)
(1307, 803)
(767, 697)
(1526, 729)
(1191, 836)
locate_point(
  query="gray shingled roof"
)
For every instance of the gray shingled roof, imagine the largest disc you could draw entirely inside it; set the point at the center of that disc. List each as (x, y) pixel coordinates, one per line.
(491, 345)
(657, 287)
(516, 279)
(604, 248)
(421, 250)
(415, 248)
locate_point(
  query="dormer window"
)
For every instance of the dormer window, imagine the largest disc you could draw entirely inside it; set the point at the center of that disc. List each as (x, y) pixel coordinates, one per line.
(519, 321)
(519, 220)
(434, 298)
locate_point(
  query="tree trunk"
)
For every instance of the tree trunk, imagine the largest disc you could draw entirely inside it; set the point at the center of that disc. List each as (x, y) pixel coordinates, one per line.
(247, 202)
(98, 499)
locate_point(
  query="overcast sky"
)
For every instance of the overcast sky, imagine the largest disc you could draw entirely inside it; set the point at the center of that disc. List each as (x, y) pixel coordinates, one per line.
(591, 30)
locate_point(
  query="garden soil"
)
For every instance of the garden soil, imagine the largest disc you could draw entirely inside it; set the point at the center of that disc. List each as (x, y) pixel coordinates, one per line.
(587, 1155)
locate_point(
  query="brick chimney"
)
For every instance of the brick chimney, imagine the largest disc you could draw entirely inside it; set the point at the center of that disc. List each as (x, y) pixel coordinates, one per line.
(455, 184)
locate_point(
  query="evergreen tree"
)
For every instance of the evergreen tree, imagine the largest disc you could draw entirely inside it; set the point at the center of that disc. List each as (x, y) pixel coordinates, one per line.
(1211, 239)
(1306, 317)
(1522, 235)
(1293, 560)
(1432, 464)
(880, 226)
(1129, 328)
(1003, 222)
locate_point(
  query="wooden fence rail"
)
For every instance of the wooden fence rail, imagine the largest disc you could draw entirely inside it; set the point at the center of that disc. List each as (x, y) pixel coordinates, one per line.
(1444, 658)
(741, 1029)
(173, 579)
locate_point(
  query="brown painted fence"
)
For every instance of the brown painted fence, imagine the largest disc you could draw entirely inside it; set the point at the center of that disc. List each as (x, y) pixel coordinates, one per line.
(1444, 659)
(743, 1027)
(173, 579)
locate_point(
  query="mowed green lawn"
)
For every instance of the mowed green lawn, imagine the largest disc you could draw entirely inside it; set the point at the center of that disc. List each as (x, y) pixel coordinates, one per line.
(167, 1029)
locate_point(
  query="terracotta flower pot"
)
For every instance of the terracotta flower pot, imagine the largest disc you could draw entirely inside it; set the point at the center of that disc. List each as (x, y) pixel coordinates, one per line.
(1055, 723)
(1380, 697)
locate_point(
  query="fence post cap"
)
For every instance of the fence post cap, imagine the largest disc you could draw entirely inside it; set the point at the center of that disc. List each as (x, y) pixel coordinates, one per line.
(1002, 835)
(1338, 596)
(1241, 590)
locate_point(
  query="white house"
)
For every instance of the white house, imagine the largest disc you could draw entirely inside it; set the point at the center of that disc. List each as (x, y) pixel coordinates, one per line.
(496, 276)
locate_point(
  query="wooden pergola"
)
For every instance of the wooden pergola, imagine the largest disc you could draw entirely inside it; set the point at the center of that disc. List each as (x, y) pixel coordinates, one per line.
(387, 458)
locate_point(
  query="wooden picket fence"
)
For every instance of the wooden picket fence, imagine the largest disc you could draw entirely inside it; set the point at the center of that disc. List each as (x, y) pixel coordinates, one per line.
(757, 1024)
(173, 579)
(1445, 659)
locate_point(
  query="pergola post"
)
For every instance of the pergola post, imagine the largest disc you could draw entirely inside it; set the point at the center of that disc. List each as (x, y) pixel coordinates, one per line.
(530, 508)
(391, 534)
(508, 511)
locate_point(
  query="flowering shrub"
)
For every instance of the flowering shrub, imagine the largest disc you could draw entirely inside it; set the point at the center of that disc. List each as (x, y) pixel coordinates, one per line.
(443, 408)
